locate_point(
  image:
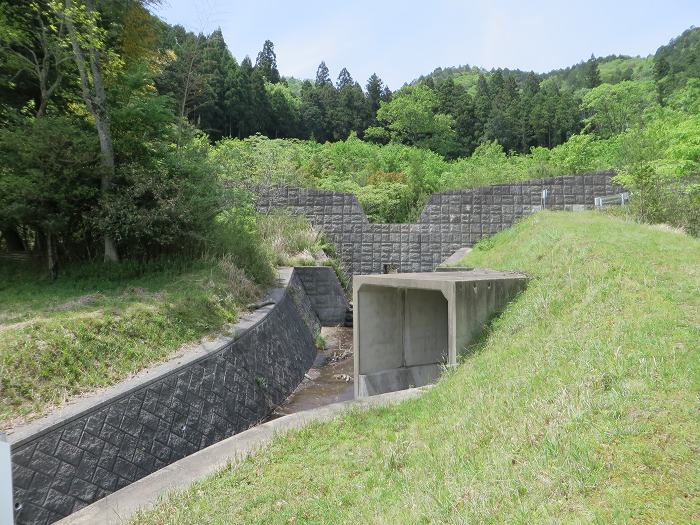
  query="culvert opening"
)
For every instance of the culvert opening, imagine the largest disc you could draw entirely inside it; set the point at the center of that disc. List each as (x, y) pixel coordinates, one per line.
(408, 327)
(405, 331)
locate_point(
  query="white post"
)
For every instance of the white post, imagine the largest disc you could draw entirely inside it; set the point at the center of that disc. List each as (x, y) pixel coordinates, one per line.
(7, 509)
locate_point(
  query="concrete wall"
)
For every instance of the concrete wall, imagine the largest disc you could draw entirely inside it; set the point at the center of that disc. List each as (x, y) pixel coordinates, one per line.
(450, 220)
(325, 293)
(79, 455)
(476, 303)
(408, 326)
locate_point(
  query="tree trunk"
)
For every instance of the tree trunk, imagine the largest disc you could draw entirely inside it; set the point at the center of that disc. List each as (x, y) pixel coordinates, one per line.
(42, 107)
(51, 257)
(96, 101)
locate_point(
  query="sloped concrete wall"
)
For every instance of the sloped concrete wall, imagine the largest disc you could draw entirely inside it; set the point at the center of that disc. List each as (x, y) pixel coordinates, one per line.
(75, 458)
(325, 293)
(450, 220)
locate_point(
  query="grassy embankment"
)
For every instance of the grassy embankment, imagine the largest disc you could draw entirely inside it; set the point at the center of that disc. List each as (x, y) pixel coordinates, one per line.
(96, 325)
(581, 405)
(93, 327)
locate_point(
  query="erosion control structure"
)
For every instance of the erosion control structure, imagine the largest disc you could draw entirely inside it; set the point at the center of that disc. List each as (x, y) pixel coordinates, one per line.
(409, 326)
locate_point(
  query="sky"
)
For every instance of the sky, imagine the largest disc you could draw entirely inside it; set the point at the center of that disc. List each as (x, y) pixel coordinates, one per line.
(401, 40)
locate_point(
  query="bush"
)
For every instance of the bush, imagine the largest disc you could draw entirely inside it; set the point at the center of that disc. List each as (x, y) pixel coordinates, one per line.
(235, 235)
(289, 238)
(659, 199)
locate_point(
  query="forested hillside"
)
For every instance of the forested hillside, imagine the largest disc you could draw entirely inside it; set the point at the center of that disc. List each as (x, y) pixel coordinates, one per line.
(117, 131)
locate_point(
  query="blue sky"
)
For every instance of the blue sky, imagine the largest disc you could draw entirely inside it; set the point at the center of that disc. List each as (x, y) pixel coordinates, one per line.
(400, 40)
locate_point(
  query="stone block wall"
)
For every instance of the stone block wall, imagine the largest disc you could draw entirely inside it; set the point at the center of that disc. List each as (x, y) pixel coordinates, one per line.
(450, 220)
(325, 293)
(68, 463)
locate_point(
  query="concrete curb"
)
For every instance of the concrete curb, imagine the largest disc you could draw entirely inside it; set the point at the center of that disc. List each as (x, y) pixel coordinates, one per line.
(121, 505)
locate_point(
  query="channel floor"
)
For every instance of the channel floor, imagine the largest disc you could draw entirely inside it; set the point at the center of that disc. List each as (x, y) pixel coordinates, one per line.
(330, 378)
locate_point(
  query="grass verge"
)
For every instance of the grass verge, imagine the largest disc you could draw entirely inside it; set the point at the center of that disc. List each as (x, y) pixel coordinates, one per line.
(581, 405)
(96, 325)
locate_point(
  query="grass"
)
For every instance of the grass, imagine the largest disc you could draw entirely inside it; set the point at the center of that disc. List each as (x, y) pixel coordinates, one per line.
(290, 238)
(580, 406)
(94, 325)
(293, 241)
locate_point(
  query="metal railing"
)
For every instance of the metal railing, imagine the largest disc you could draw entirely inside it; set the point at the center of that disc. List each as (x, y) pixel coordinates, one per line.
(619, 199)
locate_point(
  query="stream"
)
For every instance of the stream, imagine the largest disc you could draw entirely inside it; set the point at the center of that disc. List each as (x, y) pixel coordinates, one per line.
(330, 378)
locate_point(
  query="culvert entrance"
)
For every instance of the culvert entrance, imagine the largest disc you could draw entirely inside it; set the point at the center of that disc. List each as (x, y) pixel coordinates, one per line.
(408, 326)
(407, 332)
(406, 329)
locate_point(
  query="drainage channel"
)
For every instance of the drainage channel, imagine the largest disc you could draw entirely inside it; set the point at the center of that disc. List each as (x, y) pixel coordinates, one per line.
(329, 380)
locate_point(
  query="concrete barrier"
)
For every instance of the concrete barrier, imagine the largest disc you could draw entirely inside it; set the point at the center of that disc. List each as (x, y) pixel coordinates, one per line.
(104, 442)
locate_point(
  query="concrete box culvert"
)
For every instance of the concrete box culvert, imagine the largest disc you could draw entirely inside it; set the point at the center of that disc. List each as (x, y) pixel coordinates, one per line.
(409, 326)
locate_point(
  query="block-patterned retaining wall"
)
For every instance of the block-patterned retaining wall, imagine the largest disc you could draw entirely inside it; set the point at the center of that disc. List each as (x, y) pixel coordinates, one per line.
(450, 220)
(65, 466)
(325, 293)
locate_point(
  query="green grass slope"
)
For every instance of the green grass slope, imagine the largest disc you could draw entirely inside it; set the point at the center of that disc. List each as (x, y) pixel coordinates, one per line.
(95, 326)
(581, 405)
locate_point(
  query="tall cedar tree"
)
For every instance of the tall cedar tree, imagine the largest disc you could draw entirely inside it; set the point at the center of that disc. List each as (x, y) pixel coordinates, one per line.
(267, 63)
(592, 73)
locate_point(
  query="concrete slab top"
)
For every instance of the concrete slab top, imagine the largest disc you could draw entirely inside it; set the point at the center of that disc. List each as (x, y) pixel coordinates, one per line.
(420, 280)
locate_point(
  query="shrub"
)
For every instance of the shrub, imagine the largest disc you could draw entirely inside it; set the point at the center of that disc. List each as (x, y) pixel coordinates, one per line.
(290, 239)
(235, 235)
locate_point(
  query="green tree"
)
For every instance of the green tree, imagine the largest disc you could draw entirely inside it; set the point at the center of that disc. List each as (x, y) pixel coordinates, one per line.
(661, 72)
(411, 118)
(344, 79)
(349, 110)
(311, 112)
(49, 181)
(284, 109)
(615, 108)
(266, 62)
(209, 106)
(375, 88)
(33, 40)
(482, 106)
(592, 73)
(528, 99)
(184, 76)
(86, 36)
(323, 77)
(503, 120)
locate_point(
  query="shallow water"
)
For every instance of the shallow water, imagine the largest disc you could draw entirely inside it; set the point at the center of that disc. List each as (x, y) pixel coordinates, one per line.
(329, 380)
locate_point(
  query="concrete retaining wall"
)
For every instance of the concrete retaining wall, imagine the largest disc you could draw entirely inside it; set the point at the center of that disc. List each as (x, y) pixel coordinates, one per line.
(82, 453)
(450, 220)
(325, 293)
